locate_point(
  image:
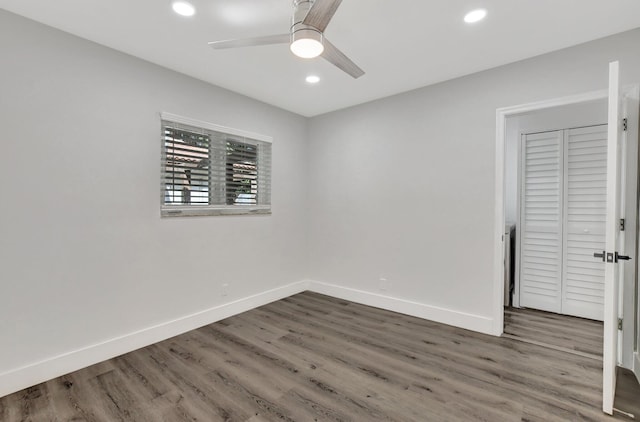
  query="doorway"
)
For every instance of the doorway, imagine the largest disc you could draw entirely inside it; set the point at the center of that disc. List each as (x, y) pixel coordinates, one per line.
(629, 190)
(555, 204)
(586, 110)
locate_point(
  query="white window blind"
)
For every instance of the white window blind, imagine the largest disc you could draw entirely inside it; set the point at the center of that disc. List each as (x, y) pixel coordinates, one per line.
(212, 170)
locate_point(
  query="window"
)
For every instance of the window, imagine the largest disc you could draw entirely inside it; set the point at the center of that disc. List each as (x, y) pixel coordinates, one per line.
(212, 170)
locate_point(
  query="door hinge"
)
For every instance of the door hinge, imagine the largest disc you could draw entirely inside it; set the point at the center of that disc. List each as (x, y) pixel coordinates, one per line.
(622, 224)
(620, 324)
(624, 124)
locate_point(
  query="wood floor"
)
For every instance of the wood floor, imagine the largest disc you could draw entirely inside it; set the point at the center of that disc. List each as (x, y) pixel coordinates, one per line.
(577, 335)
(314, 358)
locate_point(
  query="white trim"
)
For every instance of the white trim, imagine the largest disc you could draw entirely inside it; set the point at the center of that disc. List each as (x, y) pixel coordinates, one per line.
(433, 313)
(55, 366)
(499, 223)
(212, 126)
(630, 214)
(206, 210)
(554, 102)
(499, 219)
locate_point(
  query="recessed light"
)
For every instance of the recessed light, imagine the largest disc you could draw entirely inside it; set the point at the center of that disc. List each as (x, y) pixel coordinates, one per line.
(183, 8)
(312, 79)
(475, 16)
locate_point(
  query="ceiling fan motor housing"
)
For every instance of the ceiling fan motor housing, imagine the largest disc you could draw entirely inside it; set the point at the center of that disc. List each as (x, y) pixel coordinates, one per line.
(298, 29)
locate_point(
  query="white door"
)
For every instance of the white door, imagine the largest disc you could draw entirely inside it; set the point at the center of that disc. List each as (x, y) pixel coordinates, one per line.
(541, 221)
(563, 211)
(585, 209)
(614, 149)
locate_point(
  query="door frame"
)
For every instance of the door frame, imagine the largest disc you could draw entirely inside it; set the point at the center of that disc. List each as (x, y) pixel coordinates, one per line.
(631, 313)
(629, 290)
(499, 217)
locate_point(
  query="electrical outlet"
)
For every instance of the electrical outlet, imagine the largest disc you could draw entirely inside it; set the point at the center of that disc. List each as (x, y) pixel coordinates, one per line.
(224, 289)
(384, 284)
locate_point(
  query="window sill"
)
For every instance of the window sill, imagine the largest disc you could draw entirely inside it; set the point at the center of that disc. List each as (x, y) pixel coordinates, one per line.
(207, 211)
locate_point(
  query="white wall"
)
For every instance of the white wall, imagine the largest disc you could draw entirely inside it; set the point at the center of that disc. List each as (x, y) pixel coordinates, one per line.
(85, 257)
(400, 188)
(556, 118)
(404, 187)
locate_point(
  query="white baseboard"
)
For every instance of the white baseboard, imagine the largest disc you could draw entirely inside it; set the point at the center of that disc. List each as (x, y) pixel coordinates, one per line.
(403, 306)
(26, 376)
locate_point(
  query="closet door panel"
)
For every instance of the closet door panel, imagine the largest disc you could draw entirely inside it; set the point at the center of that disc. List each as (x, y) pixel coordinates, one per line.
(585, 162)
(541, 221)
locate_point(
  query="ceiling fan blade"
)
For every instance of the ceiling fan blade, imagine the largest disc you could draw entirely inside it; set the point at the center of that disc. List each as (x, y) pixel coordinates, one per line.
(321, 13)
(337, 58)
(250, 42)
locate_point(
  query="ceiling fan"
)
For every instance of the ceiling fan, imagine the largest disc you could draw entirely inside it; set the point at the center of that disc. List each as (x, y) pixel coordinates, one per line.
(306, 37)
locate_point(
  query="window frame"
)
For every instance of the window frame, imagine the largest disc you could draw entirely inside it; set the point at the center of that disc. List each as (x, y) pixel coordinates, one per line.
(235, 135)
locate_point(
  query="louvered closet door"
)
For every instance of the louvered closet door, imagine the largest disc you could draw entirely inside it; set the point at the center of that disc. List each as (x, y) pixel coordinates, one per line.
(585, 196)
(541, 221)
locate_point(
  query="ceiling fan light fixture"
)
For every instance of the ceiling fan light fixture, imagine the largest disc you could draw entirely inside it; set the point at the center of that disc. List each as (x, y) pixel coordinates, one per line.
(306, 43)
(305, 37)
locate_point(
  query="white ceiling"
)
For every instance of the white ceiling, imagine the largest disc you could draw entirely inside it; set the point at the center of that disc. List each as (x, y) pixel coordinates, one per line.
(401, 44)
